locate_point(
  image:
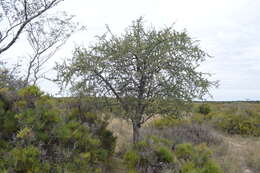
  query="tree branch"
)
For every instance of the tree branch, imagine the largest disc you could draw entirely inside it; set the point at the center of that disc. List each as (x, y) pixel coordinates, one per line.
(21, 28)
(112, 89)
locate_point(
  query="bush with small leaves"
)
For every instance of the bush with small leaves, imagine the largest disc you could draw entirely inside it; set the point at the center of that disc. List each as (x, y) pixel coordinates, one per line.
(238, 123)
(155, 155)
(150, 155)
(196, 159)
(164, 154)
(40, 137)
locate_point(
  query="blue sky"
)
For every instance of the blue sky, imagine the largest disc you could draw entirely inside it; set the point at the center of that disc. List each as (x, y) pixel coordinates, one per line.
(227, 29)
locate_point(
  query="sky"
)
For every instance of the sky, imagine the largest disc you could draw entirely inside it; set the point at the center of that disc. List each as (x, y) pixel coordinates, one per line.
(227, 29)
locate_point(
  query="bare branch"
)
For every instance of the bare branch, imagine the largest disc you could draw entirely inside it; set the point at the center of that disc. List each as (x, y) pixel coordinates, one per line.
(23, 24)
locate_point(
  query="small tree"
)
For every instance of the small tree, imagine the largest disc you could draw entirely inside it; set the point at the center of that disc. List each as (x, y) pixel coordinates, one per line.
(145, 70)
(45, 37)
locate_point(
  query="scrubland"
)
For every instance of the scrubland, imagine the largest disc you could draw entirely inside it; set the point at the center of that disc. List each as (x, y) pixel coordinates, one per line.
(40, 133)
(229, 129)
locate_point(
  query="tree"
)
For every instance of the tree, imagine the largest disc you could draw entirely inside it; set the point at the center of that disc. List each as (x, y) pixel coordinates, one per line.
(45, 37)
(145, 70)
(16, 15)
(46, 32)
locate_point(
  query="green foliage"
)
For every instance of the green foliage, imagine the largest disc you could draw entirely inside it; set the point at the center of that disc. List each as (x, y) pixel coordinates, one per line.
(196, 159)
(7, 116)
(147, 153)
(40, 137)
(184, 151)
(247, 124)
(204, 109)
(168, 122)
(27, 159)
(189, 167)
(131, 159)
(233, 118)
(211, 167)
(31, 91)
(164, 154)
(157, 154)
(10, 78)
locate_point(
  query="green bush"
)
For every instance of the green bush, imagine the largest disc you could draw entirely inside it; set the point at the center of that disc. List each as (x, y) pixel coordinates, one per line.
(156, 155)
(204, 109)
(27, 159)
(152, 153)
(211, 167)
(164, 154)
(184, 151)
(197, 159)
(38, 136)
(241, 124)
(131, 159)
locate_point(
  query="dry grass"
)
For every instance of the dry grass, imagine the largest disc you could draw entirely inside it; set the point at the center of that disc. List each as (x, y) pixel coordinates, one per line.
(239, 154)
(185, 133)
(123, 131)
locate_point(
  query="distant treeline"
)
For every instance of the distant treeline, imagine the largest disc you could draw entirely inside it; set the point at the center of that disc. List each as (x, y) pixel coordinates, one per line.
(237, 101)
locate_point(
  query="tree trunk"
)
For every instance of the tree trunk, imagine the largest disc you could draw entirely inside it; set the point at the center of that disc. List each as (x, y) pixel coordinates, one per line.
(136, 132)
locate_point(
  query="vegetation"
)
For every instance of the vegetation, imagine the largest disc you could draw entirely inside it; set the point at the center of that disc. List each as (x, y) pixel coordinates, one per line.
(148, 72)
(37, 136)
(156, 155)
(204, 109)
(234, 119)
(143, 78)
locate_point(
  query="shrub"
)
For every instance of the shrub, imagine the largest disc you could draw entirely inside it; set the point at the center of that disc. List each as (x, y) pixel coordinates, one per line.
(150, 155)
(204, 109)
(184, 151)
(211, 167)
(164, 154)
(27, 159)
(184, 132)
(198, 159)
(31, 91)
(155, 155)
(242, 124)
(40, 137)
(131, 159)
